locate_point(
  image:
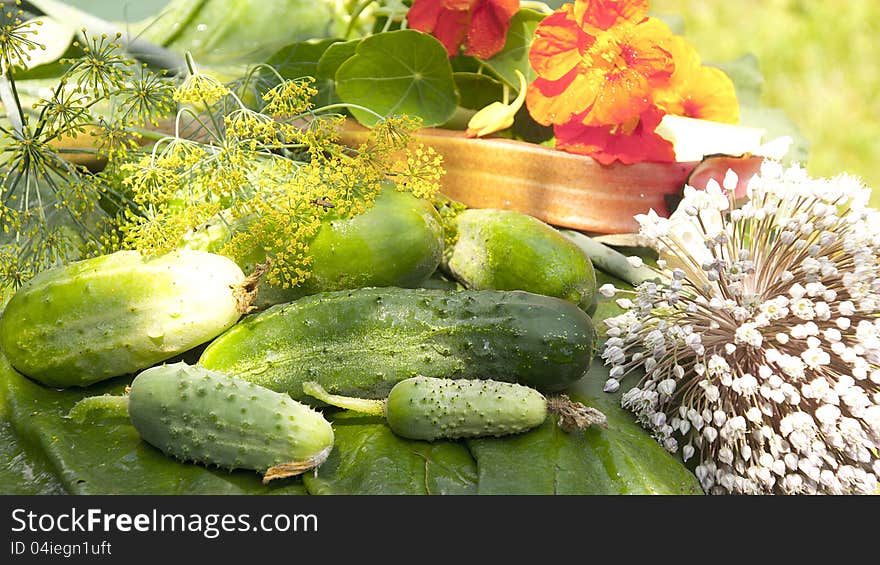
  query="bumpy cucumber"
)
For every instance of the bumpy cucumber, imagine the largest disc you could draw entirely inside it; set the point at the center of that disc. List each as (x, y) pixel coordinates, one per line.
(362, 342)
(430, 408)
(208, 417)
(397, 242)
(117, 314)
(507, 250)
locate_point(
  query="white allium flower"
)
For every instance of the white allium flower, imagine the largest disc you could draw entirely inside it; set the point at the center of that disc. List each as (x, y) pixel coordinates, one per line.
(761, 345)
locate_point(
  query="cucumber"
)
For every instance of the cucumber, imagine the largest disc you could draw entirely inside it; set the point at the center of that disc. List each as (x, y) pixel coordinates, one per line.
(362, 342)
(397, 242)
(507, 250)
(429, 408)
(207, 417)
(117, 314)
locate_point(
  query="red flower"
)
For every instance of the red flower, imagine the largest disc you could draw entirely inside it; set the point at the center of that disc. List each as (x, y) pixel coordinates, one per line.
(628, 143)
(599, 59)
(481, 25)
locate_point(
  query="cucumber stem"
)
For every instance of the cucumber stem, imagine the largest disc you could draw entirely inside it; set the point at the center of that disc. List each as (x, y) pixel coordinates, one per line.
(362, 405)
(94, 408)
(246, 293)
(609, 260)
(574, 415)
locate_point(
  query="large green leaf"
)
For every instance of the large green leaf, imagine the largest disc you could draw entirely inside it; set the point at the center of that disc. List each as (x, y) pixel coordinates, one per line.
(621, 459)
(223, 32)
(107, 457)
(477, 91)
(400, 72)
(47, 453)
(368, 458)
(515, 54)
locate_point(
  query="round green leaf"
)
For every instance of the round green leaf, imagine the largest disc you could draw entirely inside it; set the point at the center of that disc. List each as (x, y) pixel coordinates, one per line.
(399, 72)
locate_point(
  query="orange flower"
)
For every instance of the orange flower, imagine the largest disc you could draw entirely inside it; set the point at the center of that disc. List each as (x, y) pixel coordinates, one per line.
(481, 25)
(628, 143)
(695, 90)
(599, 59)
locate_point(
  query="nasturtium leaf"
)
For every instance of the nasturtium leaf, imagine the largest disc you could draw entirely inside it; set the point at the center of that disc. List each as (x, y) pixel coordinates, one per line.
(400, 72)
(368, 458)
(333, 57)
(619, 459)
(515, 54)
(108, 457)
(476, 91)
(300, 60)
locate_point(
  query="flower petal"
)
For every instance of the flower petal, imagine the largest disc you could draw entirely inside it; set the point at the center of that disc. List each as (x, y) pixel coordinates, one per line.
(556, 49)
(448, 26)
(604, 14)
(423, 15)
(555, 102)
(607, 144)
(490, 21)
(621, 96)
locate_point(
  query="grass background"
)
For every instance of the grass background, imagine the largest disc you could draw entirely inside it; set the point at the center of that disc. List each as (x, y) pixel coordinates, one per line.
(821, 64)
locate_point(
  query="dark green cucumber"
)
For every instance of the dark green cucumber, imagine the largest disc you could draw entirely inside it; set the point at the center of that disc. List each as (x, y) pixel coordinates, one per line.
(195, 414)
(429, 408)
(117, 314)
(363, 342)
(507, 250)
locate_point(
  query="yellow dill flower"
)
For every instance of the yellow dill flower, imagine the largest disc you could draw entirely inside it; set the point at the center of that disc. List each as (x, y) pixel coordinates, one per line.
(150, 182)
(253, 129)
(394, 133)
(420, 171)
(290, 98)
(199, 88)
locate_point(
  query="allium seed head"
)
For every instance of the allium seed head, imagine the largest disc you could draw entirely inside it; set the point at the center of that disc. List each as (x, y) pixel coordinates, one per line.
(761, 345)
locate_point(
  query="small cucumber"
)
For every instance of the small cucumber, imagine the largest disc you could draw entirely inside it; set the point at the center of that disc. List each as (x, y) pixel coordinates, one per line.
(429, 408)
(507, 250)
(397, 242)
(117, 314)
(362, 342)
(194, 414)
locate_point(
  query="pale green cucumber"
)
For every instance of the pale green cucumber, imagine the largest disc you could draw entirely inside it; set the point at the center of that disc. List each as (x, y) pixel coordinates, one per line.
(195, 414)
(117, 314)
(507, 250)
(429, 408)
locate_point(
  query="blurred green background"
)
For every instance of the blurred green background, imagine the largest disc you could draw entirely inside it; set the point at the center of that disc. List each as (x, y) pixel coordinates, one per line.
(821, 64)
(820, 60)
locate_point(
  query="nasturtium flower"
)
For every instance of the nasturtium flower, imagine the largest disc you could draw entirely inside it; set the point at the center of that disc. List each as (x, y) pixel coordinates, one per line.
(480, 25)
(631, 142)
(696, 90)
(600, 60)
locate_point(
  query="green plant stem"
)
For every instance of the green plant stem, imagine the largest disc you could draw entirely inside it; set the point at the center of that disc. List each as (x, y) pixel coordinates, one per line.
(362, 405)
(94, 408)
(609, 260)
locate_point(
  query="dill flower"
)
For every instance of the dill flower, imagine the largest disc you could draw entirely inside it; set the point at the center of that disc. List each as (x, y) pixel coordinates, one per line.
(290, 97)
(199, 88)
(761, 346)
(16, 37)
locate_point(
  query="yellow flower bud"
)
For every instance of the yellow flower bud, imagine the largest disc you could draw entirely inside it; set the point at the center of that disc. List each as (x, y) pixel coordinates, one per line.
(497, 115)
